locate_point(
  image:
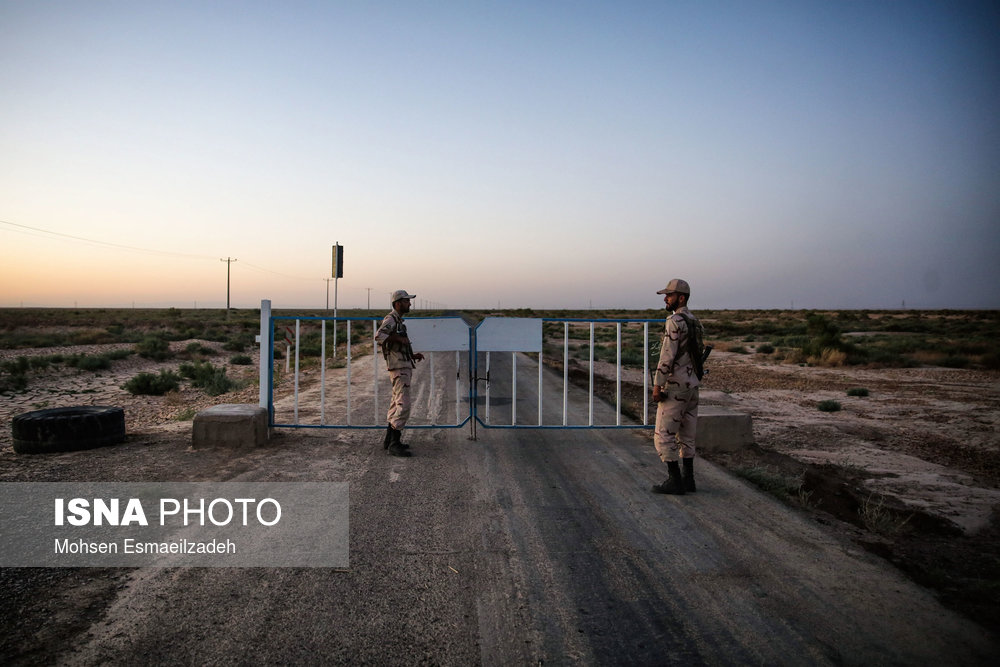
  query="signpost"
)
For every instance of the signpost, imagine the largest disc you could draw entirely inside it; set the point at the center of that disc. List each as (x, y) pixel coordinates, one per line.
(338, 272)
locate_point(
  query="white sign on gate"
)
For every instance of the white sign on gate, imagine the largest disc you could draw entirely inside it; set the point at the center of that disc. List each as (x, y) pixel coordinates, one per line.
(438, 334)
(509, 334)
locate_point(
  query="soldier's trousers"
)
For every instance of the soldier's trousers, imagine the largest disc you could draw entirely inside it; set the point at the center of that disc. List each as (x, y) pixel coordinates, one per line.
(676, 423)
(399, 406)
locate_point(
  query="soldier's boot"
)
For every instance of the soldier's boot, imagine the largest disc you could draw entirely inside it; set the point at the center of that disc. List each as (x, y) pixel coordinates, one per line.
(396, 448)
(689, 475)
(388, 438)
(672, 485)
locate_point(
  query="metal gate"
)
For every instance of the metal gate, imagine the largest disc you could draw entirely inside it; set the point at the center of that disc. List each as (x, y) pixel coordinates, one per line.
(500, 373)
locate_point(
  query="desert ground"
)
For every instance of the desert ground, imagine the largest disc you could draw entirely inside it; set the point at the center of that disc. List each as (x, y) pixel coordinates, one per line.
(910, 471)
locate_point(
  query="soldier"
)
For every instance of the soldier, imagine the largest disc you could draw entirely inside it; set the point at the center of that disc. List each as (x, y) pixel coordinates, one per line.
(675, 390)
(399, 360)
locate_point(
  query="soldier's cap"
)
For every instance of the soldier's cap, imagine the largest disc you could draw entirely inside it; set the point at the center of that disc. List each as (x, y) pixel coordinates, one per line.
(676, 285)
(401, 294)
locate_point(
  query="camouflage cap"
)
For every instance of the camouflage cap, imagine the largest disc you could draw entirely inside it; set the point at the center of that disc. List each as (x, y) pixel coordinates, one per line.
(676, 285)
(401, 294)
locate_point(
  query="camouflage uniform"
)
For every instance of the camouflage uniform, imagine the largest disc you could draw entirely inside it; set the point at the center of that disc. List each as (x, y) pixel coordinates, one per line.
(399, 361)
(677, 413)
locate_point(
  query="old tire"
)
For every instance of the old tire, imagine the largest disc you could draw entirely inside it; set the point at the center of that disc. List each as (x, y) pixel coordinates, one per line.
(67, 429)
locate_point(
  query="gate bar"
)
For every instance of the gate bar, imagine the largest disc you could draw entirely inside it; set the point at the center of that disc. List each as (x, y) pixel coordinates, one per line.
(322, 373)
(618, 376)
(297, 371)
(348, 369)
(645, 373)
(590, 419)
(565, 373)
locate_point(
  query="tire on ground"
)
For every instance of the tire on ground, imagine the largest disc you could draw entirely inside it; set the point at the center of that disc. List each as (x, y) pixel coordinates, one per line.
(67, 429)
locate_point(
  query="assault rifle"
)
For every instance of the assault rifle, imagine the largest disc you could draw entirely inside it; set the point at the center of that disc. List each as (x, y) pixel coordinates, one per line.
(704, 358)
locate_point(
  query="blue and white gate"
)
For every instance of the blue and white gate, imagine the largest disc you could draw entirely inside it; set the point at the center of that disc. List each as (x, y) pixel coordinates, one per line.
(493, 374)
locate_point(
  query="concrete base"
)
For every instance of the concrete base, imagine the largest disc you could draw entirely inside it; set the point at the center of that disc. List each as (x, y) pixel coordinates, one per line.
(722, 430)
(230, 425)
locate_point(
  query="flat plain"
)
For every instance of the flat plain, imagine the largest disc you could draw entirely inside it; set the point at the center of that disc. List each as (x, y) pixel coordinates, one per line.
(882, 427)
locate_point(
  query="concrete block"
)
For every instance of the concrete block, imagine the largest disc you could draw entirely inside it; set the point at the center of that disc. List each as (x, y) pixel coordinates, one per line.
(722, 430)
(230, 425)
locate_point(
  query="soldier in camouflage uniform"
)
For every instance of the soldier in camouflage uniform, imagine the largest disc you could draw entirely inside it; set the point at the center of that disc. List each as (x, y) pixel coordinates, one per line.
(675, 391)
(399, 360)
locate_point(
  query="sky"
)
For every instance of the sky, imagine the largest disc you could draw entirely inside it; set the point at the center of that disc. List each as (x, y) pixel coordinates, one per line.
(537, 154)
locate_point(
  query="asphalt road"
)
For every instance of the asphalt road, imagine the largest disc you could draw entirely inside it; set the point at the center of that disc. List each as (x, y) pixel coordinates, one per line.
(535, 547)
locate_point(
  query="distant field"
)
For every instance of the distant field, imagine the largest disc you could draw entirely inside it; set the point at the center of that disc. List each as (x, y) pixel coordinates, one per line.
(956, 339)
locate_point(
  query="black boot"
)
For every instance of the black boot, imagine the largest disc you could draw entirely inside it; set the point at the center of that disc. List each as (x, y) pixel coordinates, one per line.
(388, 438)
(689, 475)
(672, 484)
(396, 448)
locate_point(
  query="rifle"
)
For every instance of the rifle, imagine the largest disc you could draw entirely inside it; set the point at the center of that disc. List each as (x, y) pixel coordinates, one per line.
(704, 358)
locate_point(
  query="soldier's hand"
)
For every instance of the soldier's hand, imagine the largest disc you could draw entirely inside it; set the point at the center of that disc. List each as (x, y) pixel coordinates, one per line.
(657, 393)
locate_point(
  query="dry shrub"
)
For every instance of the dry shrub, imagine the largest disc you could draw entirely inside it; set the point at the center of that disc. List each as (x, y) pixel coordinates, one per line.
(829, 357)
(793, 356)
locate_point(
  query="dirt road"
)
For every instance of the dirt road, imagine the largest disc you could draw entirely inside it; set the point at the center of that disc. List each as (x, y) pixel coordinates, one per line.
(521, 547)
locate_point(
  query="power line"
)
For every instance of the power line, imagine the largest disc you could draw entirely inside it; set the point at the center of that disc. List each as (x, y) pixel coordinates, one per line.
(121, 246)
(105, 243)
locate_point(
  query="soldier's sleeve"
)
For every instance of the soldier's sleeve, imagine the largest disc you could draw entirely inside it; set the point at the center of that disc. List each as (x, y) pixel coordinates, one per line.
(384, 330)
(669, 351)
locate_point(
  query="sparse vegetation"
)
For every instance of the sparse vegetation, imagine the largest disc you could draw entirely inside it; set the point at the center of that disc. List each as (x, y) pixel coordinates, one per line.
(154, 347)
(14, 372)
(829, 406)
(186, 415)
(196, 349)
(153, 384)
(876, 517)
(209, 378)
(88, 362)
(774, 482)
(857, 391)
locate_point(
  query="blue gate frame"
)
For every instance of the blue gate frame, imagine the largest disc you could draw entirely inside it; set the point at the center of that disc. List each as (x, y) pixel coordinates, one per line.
(491, 335)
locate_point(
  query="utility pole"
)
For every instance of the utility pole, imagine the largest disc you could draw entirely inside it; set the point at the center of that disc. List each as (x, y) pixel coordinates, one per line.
(369, 297)
(328, 292)
(228, 261)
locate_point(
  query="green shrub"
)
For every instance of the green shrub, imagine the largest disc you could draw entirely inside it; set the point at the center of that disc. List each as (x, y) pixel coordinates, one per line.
(955, 361)
(241, 360)
(40, 363)
(991, 361)
(92, 362)
(10, 383)
(151, 384)
(209, 378)
(17, 366)
(765, 348)
(238, 343)
(825, 342)
(857, 391)
(154, 347)
(196, 349)
(829, 406)
(14, 375)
